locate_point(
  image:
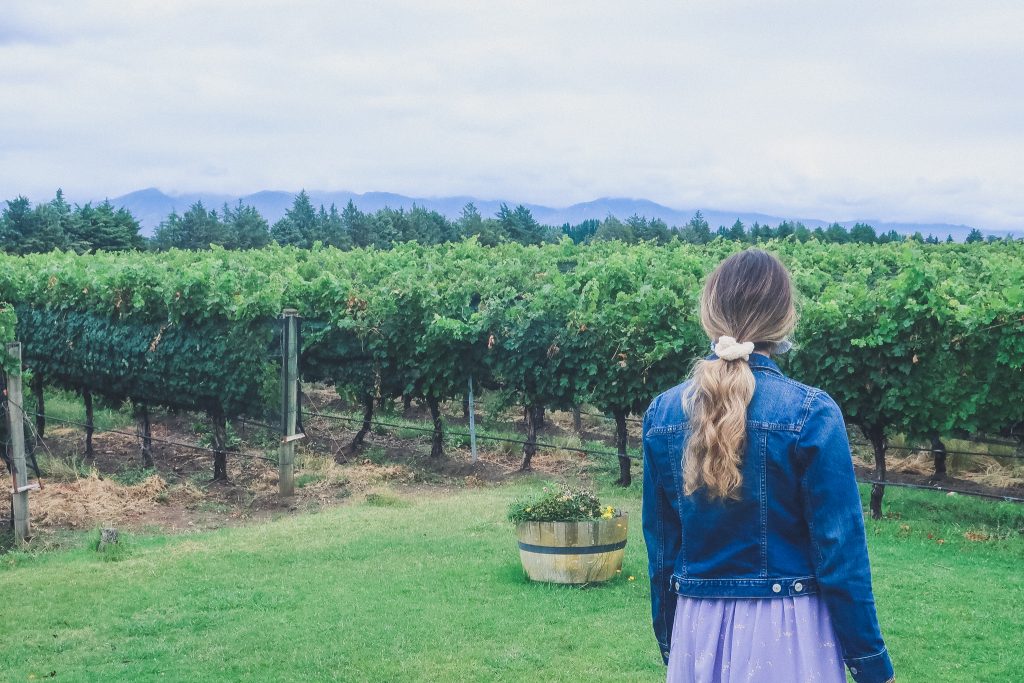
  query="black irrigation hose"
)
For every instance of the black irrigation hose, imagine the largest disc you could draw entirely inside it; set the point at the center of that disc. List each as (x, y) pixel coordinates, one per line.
(153, 438)
(1009, 499)
(482, 437)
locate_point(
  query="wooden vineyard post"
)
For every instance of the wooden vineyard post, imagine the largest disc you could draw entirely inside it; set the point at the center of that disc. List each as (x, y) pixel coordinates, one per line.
(37, 391)
(16, 428)
(621, 444)
(472, 420)
(89, 423)
(939, 454)
(289, 401)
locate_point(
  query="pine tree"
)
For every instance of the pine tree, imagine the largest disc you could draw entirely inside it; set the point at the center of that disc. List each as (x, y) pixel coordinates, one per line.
(104, 228)
(358, 225)
(245, 227)
(520, 225)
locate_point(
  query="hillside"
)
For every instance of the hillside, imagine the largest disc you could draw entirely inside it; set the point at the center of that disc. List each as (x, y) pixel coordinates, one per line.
(151, 206)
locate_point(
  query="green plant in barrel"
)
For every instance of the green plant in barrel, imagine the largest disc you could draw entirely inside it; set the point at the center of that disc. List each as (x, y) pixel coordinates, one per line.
(567, 536)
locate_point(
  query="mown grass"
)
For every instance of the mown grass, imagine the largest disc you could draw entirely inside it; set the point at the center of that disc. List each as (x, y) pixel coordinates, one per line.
(429, 588)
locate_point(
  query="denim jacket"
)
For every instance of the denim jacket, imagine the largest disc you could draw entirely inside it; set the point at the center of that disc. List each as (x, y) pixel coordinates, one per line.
(797, 529)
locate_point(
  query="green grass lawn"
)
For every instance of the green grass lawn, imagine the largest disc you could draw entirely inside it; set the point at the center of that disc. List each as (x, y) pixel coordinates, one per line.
(429, 588)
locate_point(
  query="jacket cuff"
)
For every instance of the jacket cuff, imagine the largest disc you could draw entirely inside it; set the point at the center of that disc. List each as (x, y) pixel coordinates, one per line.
(876, 668)
(664, 652)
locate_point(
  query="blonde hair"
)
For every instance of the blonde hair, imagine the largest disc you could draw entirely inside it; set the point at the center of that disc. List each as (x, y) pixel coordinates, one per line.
(749, 296)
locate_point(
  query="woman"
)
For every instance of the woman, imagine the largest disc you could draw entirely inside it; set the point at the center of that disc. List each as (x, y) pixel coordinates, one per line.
(755, 535)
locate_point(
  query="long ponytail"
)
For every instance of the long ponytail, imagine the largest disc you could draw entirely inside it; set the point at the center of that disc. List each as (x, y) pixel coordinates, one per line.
(749, 297)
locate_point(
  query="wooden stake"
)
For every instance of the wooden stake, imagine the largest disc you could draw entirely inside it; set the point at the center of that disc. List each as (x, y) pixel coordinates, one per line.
(472, 420)
(16, 427)
(89, 423)
(289, 401)
(37, 391)
(145, 432)
(621, 443)
(220, 445)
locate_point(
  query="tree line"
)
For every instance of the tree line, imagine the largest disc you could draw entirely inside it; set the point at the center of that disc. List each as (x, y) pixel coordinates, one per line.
(25, 228)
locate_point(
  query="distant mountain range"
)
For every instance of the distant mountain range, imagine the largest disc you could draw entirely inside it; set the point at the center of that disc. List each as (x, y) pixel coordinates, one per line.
(151, 206)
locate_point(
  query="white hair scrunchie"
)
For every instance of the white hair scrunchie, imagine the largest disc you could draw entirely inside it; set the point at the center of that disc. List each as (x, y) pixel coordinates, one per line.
(728, 348)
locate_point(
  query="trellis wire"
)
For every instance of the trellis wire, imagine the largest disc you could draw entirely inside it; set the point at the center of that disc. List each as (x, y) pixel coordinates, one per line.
(484, 437)
(156, 439)
(1009, 499)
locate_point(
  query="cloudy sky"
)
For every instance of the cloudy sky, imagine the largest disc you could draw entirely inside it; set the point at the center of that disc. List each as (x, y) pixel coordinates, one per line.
(829, 109)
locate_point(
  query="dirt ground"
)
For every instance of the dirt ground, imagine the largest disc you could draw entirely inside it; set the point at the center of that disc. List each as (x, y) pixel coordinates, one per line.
(177, 495)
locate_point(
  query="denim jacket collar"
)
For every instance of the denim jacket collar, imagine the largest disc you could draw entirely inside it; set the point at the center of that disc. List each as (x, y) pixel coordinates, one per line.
(757, 361)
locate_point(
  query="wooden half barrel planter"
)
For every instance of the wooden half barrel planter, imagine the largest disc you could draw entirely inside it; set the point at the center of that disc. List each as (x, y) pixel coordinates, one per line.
(573, 552)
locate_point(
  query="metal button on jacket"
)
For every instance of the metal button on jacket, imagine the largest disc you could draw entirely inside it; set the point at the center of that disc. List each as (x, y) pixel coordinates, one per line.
(798, 586)
(776, 588)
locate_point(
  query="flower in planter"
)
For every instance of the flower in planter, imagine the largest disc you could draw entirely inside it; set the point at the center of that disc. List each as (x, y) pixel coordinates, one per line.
(566, 504)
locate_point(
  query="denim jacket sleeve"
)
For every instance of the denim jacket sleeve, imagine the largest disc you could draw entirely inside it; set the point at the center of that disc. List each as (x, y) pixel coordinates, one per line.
(662, 534)
(832, 507)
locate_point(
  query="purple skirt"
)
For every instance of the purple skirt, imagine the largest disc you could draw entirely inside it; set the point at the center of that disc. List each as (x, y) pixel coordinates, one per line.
(774, 640)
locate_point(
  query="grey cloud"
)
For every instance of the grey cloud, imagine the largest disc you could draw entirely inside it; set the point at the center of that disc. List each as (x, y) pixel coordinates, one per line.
(904, 111)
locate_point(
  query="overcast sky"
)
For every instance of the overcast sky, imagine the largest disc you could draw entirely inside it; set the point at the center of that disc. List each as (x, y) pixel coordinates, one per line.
(836, 110)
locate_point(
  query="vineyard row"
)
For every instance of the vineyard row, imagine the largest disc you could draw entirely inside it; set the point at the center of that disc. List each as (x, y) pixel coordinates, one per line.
(926, 340)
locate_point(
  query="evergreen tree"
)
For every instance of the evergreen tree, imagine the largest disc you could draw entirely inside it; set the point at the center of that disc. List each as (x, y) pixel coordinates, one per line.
(168, 234)
(197, 229)
(738, 231)
(697, 231)
(785, 229)
(429, 227)
(520, 225)
(331, 228)
(974, 236)
(299, 225)
(837, 234)
(646, 230)
(863, 233)
(389, 226)
(49, 226)
(614, 229)
(286, 233)
(245, 227)
(16, 224)
(358, 225)
(104, 228)
(25, 230)
(582, 232)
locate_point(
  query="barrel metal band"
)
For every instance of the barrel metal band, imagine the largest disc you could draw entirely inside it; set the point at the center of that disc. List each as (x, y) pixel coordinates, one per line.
(574, 550)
